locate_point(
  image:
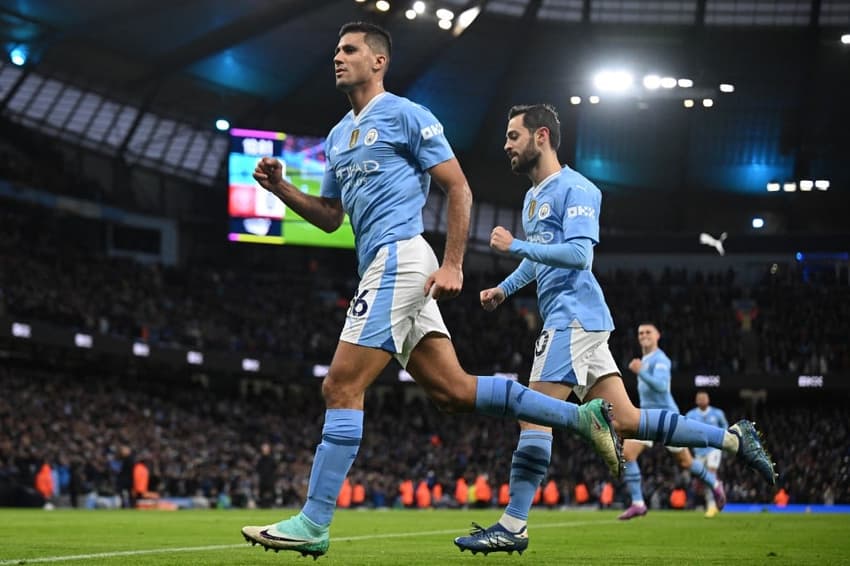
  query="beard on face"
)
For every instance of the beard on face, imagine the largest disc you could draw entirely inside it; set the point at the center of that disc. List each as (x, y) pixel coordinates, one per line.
(526, 160)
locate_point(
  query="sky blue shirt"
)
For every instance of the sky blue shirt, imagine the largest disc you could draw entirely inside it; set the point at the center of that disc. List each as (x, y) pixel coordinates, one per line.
(562, 207)
(654, 382)
(378, 165)
(711, 416)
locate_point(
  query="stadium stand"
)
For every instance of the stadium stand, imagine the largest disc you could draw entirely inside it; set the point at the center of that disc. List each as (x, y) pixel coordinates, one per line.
(201, 445)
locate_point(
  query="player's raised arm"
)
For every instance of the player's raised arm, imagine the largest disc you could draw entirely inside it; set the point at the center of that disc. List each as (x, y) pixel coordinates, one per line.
(519, 278)
(323, 212)
(573, 254)
(656, 376)
(447, 281)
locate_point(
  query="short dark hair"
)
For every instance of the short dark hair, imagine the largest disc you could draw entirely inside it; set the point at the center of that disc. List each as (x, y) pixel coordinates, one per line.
(378, 39)
(539, 116)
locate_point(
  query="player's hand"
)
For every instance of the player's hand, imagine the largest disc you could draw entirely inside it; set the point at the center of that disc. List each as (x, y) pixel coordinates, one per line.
(268, 173)
(501, 239)
(492, 298)
(445, 283)
(635, 364)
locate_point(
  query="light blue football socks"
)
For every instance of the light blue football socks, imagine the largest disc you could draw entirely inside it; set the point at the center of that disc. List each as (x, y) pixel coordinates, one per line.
(340, 441)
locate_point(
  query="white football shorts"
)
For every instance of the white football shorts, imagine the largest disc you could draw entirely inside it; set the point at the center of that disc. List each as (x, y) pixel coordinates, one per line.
(574, 357)
(390, 310)
(711, 459)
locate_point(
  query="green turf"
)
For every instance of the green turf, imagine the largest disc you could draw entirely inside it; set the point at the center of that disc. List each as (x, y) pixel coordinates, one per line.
(424, 537)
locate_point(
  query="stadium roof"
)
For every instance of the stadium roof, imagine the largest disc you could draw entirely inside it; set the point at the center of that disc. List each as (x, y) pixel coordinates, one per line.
(140, 72)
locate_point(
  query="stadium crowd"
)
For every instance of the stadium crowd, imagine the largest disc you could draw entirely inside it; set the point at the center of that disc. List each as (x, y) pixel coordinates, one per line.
(51, 278)
(198, 442)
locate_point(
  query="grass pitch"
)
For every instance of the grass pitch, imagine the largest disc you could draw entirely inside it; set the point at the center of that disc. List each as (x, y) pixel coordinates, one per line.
(423, 537)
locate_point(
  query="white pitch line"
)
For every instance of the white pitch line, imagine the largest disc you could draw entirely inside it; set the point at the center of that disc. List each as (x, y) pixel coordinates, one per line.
(118, 553)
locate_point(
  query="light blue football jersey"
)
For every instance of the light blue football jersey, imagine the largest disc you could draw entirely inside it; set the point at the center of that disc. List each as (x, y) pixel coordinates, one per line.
(654, 382)
(563, 206)
(377, 163)
(711, 416)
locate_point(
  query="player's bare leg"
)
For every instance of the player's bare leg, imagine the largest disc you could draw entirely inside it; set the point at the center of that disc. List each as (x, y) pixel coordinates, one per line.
(741, 439)
(687, 462)
(528, 466)
(352, 370)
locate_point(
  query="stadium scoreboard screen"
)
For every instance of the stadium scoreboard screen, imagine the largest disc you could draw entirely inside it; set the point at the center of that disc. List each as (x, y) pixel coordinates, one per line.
(256, 215)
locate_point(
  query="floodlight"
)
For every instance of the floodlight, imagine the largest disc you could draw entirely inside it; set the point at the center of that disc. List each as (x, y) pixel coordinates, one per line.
(668, 82)
(652, 82)
(466, 18)
(141, 350)
(21, 330)
(18, 55)
(613, 81)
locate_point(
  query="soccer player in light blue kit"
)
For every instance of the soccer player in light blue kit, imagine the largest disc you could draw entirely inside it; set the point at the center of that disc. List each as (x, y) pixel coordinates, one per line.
(560, 216)
(710, 457)
(381, 158)
(653, 375)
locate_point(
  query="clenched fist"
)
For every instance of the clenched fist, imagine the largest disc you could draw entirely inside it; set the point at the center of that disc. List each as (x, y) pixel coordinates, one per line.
(268, 173)
(492, 298)
(501, 239)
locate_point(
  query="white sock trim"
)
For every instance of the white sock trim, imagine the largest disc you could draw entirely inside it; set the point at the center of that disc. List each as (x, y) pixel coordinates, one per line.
(512, 524)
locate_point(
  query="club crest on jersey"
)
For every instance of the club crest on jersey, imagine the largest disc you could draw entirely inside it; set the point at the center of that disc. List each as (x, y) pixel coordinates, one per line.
(371, 137)
(352, 141)
(532, 206)
(545, 211)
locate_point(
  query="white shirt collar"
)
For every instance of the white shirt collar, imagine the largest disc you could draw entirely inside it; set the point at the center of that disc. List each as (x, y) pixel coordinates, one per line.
(536, 189)
(366, 108)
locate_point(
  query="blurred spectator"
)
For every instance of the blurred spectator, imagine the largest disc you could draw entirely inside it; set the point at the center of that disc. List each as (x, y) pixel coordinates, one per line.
(124, 481)
(267, 476)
